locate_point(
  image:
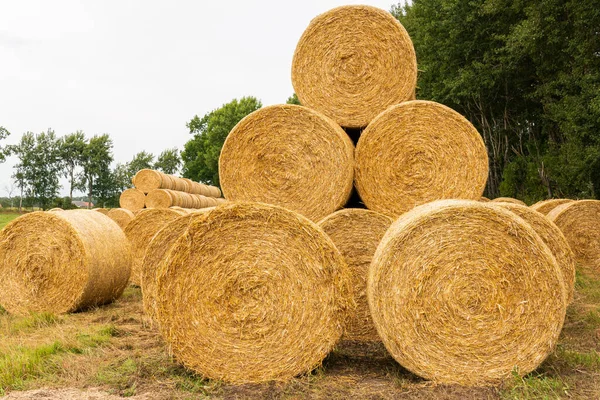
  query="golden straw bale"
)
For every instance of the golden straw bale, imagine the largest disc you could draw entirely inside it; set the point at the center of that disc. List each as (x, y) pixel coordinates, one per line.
(484, 199)
(356, 233)
(132, 199)
(214, 191)
(149, 179)
(554, 239)
(579, 221)
(62, 261)
(221, 201)
(545, 206)
(508, 200)
(140, 232)
(352, 63)
(259, 288)
(160, 198)
(289, 156)
(417, 152)
(463, 292)
(56, 209)
(121, 216)
(101, 210)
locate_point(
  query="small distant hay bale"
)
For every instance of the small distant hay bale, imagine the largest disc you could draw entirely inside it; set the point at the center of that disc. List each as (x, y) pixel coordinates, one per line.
(579, 221)
(484, 199)
(121, 216)
(56, 209)
(132, 199)
(508, 200)
(62, 261)
(545, 206)
(140, 232)
(290, 156)
(416, 152)
(352, 63)
(554, 239)
(356, 233)
(101, 210)
(462, 292)
(259, 288)
(149, 179)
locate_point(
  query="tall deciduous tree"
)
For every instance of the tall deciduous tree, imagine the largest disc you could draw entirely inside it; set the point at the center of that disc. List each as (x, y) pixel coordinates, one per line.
(3, 151)
(168, 161)
(97, 158)
(72, 147)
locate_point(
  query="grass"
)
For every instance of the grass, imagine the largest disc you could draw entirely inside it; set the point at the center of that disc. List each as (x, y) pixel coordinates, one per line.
(536, 386)
(5, 218)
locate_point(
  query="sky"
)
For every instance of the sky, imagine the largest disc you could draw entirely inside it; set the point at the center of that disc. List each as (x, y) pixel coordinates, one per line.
(139, 70)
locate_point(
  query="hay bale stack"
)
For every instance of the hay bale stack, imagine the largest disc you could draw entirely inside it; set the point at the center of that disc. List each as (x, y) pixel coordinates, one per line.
(149, 179)
(356, 233)
(160, 198)
(464, 292)
(260, 288)
(121, 216)
(140, 232)
(353, 62)
(417, 152)
(132, 199)
(62, 261)
(545, 206)
(165, 198)
(508, 200)
(579, 221)
(289, 156)
(554, 239)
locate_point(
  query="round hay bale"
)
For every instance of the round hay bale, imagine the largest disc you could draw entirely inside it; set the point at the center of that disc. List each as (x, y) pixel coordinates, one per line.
(62, 261)
(149, 179)
(101, 210)
(289, 156)
(260, 288)
(132, 199)
(221, 201)
(545, 206)
(356, 233)
(417, 152)
(466, 293)
(160, 198)
(554, 239)
(214, 191)
(484, 199)
(140, 232)
(508, 200)
(579, 221)
(352, 63)
(56, 209)
(121, 216)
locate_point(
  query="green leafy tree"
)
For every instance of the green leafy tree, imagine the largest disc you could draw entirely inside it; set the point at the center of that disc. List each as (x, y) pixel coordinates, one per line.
(168, 161)
(71, 153)
(201, 154)
(97, 158)
(4, 133)
(140, 161)
(293, 99)
(24, 152)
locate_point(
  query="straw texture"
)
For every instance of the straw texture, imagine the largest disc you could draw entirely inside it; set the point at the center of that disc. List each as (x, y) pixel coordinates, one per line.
(289, 156)
(554, 239)
(464, 292)
(545, 206)
(62, 261)
(252, 293)
(132, 199)
(357, 233)
(353, 62)
(101, 210)
(149, 179)
(140, 232)
(508, 200)
(484, 199)
(579, 221)
(121, 216)
(417, 152)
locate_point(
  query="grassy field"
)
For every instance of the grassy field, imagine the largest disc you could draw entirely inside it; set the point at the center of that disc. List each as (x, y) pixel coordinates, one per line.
(5, 218)
(113, 351)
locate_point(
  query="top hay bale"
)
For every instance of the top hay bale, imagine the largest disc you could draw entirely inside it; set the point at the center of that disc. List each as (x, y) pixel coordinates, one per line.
(545, 206)
(289, 156)
(417, 152)
(579, 221)
(147, 180)
(352, 63)
(62, 261)
(465, 292)
(252, 293)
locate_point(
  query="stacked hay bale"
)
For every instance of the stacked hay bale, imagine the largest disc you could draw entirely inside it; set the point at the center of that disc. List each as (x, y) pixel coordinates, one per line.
(154, 189)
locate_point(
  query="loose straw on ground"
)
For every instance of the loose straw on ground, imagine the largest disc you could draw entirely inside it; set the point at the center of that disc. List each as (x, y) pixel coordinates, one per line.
(260, 289)
(289, 156)
(545, 206)
(62, 261)
(417, 152)
(132, 200)
(467, 293)
(121, 216)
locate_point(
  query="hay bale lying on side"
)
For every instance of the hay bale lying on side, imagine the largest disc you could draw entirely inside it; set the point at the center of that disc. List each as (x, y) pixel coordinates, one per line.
(140, 232)
(62, 261)
(259, 288)
(101, 210)
(353, 62)
(464, 292)
(579, 221)
(121, 216)
(417, 152)
(356, 233)
(149, 179)
(545, 206)
(289, 156)
(132, 199)
(554, 239)
(508, 200)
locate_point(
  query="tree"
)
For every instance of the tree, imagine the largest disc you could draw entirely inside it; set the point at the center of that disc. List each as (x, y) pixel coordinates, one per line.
(141, 160)
(293, 99)
(201, 154)
(97, 157)
(168, 161)
(71, 153)
(24, 152)
(4, 133)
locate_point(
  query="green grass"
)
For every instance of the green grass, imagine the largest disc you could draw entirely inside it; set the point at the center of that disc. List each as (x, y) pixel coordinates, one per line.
(580, 360)
(536, 387)
(6, 218)
(34, 321)
(588, 287)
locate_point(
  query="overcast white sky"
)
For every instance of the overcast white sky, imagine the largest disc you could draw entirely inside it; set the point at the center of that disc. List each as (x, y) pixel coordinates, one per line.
(139, 70)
